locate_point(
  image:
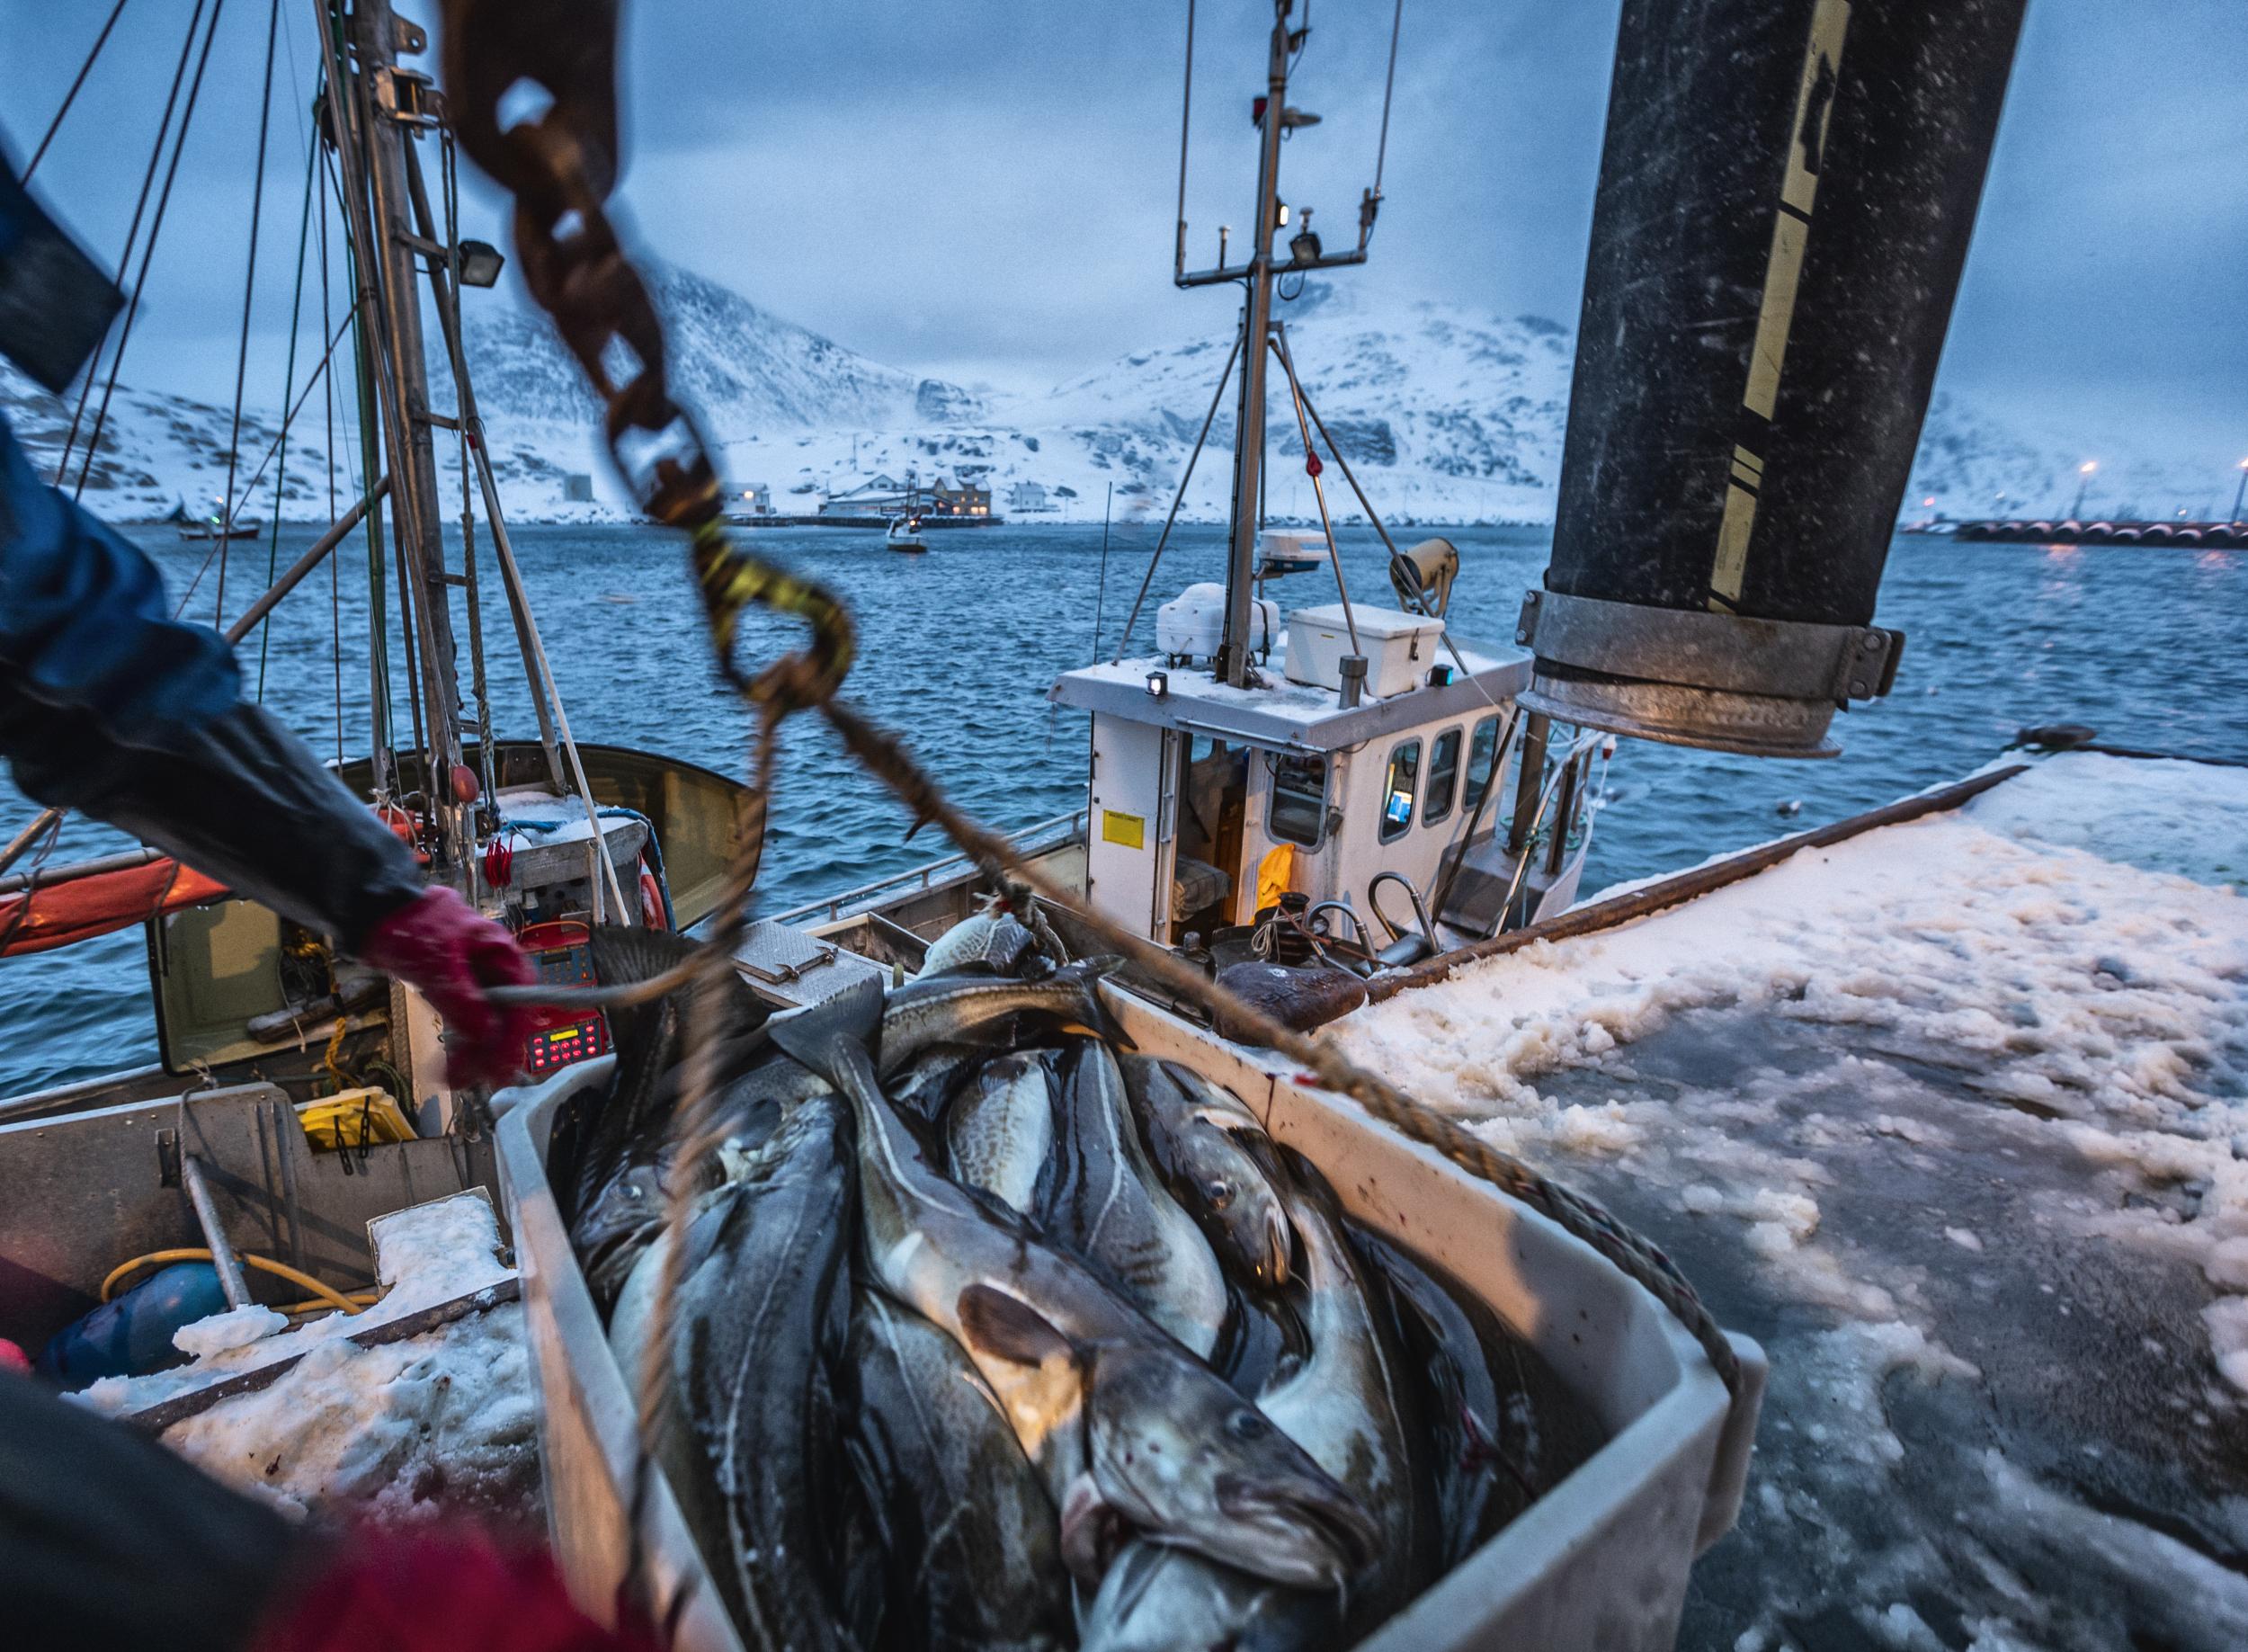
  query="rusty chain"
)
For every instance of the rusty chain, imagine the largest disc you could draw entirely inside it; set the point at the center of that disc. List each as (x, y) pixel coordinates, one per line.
(561, 166)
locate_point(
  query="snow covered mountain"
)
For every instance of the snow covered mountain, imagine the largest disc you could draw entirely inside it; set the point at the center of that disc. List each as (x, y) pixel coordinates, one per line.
(1445, 413)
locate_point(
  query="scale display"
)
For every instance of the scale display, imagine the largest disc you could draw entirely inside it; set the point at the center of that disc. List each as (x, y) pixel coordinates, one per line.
(562, 956)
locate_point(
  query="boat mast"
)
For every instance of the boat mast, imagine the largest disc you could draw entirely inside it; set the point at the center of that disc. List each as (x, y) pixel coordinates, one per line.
(1256, 321)
(381, 108)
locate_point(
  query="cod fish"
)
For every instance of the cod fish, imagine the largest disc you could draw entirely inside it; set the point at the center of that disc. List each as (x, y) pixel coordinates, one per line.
(1344, 1404)
(1349, 1405)
(1153, 1599)
(1194, 1131)
(1460, 1403)
(975, 1545)
(1127, 1429)
(997, 939)
(999, 1133)
(621, 1150)
(751, 1438)
(1109, 1207)
(969, 1008)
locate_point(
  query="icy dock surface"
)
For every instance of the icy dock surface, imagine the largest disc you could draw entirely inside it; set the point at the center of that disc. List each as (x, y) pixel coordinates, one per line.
(1953, 1119)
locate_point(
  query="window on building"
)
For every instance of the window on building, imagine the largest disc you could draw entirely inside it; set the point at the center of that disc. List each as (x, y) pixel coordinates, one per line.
(1443, 778)
(1299, 814)
(1397, 795)
(1482, 751)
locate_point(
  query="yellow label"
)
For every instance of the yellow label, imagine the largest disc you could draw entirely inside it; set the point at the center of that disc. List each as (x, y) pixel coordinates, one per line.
(1129, 830)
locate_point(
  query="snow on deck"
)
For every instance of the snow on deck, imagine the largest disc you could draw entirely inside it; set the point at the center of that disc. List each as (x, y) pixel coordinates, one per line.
(1954, 1118)
(439, 1423)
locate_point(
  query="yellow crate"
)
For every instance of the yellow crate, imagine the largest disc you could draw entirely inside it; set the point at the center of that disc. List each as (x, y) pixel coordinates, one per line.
(354, 1118)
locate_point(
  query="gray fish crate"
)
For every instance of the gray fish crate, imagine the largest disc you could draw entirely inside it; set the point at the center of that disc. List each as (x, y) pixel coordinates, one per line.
(1600, 1561)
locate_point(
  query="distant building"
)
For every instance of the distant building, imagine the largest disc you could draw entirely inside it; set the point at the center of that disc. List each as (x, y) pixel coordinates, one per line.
(880, 496)
(1029, 497)
(966, 500)
(577, 489)
(748, 498)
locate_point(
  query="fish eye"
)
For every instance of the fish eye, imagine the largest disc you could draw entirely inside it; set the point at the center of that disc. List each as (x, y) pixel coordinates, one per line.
(1220, 1194)
(1246, 1425)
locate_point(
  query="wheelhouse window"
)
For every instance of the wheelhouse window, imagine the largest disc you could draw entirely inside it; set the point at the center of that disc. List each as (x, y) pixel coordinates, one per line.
(1397, 794)
(1482, 751)
(1443, 777)
(1299, 814)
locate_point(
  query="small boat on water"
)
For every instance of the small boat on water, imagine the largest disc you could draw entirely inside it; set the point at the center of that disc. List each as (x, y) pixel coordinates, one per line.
(903, 536)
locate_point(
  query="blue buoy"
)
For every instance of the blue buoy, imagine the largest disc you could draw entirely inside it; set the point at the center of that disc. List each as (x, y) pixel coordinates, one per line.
(133, 1332)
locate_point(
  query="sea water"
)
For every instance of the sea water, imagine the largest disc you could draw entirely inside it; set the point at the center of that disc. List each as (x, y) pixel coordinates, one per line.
(957, 649)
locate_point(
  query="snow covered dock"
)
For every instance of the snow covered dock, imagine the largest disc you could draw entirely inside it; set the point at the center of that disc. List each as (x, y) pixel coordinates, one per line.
(1952, 1117)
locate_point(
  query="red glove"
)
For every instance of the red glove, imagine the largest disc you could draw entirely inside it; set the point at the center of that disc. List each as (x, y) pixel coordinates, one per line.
(436, 943)
(445, 1592)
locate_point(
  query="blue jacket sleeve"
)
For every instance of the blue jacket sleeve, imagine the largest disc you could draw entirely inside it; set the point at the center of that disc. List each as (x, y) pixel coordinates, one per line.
(109, 706)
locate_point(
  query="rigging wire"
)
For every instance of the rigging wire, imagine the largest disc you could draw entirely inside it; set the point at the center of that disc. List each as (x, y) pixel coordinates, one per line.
(132, 231)
(1388, 84)
(71, 96)
(249, 291)
(326, 356)
(289, 386)
(327, 398)
(147, 253)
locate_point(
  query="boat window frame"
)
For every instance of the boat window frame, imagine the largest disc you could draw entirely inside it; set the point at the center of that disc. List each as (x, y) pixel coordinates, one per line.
(1273, 812)
(1468, 784)
(1433, 811)
(1388, 831)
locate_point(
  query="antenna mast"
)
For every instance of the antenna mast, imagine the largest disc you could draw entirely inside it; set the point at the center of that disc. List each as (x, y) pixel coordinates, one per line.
(1274, 120)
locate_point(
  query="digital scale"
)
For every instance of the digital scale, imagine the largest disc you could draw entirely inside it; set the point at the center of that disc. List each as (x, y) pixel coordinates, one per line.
(561, 951)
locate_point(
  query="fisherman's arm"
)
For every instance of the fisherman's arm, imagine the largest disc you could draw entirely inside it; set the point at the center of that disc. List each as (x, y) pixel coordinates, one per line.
(110, 707)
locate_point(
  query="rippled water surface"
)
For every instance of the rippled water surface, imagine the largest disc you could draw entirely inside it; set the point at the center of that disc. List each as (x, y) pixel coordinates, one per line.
(957, 648)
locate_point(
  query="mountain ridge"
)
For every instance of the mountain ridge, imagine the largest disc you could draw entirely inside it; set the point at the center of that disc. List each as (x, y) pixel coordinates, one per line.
(1445, 413)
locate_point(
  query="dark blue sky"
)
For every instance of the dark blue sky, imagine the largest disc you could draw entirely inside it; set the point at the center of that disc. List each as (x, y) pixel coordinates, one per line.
(984, 188)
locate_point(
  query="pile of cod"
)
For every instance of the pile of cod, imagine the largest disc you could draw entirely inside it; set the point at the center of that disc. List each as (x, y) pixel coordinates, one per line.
(990, 1332)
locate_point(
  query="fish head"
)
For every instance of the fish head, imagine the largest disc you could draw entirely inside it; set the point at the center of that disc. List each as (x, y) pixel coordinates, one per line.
(1188, 1462)
(1241, 1212)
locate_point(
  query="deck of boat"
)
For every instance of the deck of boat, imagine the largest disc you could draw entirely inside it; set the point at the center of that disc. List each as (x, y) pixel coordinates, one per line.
(1952, 1118)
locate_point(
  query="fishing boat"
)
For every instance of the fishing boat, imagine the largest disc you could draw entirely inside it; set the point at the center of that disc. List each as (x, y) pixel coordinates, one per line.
(903, 536)
(1346, 792)
(296, 1097)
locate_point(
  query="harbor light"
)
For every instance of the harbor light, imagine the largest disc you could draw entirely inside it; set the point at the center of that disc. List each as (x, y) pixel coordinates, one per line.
(481, 263)
(2083, 476)
(2242, 489)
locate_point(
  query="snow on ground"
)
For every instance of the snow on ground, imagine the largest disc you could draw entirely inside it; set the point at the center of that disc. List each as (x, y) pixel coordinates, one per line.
(1953, 1116)
(442, 1422)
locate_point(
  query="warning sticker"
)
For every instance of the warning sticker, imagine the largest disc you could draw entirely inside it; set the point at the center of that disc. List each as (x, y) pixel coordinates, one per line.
(1129, 830)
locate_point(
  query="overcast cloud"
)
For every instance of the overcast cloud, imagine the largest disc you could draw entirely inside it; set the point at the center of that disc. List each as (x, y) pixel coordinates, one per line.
(984, 189)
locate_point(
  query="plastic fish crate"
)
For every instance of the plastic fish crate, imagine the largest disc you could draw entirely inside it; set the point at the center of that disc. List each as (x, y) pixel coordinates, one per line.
(1600, 1561)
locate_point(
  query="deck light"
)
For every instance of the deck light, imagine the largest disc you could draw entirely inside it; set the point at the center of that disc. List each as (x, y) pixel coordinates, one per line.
(481, 263)
(1158, 684)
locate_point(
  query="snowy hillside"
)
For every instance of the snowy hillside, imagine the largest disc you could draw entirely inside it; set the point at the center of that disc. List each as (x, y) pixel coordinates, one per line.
(1446, 415)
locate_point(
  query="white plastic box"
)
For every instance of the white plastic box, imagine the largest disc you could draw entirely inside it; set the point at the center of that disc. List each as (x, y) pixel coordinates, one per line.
(1399, 647)
(1598, 1564)
(1191, 624)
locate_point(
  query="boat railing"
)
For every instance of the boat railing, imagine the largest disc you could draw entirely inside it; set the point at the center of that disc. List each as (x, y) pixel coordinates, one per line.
(1046, 834)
